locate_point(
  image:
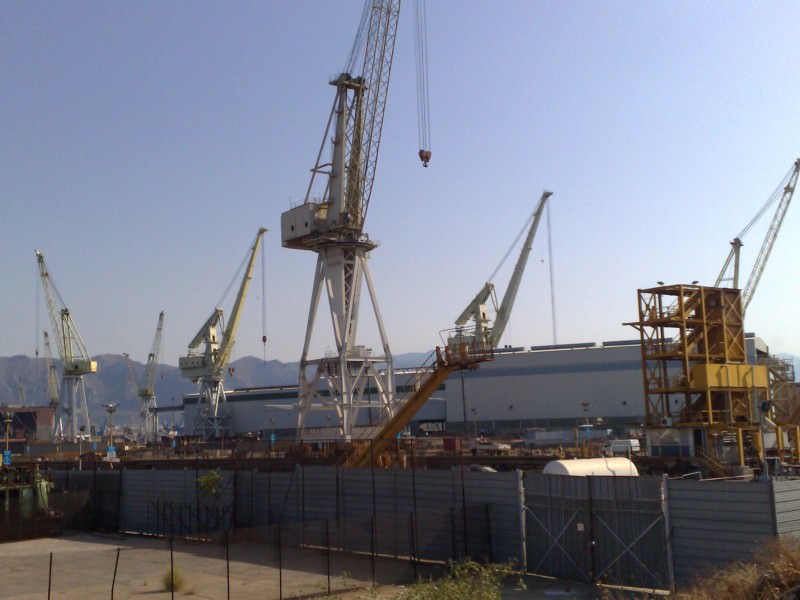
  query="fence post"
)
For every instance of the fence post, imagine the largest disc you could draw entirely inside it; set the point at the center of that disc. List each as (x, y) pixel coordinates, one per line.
(372, 548)
(171, 570)
(50, 577)
(328, 553)
(280, 564)
(464, 513)
(114, 579)
(227, 565)
(413, 550)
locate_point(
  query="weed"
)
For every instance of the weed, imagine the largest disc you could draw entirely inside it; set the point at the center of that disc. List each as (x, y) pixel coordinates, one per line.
(173, 581)
(463, 581)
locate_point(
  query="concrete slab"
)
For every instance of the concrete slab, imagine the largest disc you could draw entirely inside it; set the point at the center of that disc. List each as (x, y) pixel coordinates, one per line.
(84, 565)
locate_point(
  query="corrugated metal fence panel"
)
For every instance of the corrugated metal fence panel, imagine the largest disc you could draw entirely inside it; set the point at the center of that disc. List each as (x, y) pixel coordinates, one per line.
(558, 526)
(714, 523)
(609, 529)
(171, 503)
(629, 532)
(501, 492)
(787, 506)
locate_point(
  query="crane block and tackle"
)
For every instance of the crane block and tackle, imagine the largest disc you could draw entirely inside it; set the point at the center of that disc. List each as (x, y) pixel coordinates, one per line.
(209, 353)
(476, 311)
(730, 270)
(72, 415)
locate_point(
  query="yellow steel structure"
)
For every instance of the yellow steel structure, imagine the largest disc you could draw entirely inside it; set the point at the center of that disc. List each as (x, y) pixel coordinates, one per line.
(695, 370)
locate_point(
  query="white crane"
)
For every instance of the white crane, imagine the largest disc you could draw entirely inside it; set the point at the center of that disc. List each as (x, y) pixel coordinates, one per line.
(333, 228)
(207, 364)
(477, 311)
(783, 196)
(145, 389)
(76, 361)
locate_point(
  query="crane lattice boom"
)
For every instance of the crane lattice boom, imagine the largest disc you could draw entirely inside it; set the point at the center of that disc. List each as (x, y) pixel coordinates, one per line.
(70, 346)
(783, 196)
(477, 309)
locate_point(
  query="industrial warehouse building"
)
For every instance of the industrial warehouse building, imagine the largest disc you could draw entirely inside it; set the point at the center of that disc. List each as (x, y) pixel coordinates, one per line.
(537, 387)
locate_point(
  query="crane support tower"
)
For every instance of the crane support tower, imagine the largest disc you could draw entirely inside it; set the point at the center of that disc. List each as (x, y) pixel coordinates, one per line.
(783, 195)
(145, 390)
(476, 310)
(72, 414)
(206, 365)
(353, 377)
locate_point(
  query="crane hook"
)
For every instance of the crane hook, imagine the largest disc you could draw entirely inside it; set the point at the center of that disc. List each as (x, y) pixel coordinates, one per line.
(425, 157)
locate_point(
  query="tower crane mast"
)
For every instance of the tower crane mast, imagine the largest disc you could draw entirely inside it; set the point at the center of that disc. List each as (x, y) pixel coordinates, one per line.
(333, 228)
(75, 358)
(477, 310)
(207, 364)
(783, 196)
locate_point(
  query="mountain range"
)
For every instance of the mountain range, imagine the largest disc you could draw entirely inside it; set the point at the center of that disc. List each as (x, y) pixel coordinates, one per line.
(23, 380)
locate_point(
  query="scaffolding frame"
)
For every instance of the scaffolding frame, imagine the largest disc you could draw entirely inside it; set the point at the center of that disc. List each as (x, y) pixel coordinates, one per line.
(695, 371)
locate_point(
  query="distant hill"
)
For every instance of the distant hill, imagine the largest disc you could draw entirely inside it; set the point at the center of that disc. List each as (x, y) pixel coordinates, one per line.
(23, 378)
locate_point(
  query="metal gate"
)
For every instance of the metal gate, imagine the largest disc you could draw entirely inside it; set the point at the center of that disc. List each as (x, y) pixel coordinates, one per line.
(598, 529)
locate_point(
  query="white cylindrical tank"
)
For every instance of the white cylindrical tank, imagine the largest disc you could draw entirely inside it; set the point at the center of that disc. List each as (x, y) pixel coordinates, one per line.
(580, 467)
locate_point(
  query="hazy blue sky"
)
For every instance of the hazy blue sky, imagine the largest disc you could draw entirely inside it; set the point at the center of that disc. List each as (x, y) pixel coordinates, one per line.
(143, 143)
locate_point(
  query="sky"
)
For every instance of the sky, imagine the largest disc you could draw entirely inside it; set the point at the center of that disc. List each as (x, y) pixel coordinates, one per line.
(142, 144)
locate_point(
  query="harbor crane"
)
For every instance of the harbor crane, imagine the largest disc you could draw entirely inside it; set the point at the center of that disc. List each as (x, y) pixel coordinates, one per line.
(145, 389)
(207, 364)
(477, 310)
(352, 377)
(72, 409)
(730, 270)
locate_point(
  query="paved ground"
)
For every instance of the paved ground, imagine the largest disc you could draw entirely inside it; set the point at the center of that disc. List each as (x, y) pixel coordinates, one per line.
(85, 567)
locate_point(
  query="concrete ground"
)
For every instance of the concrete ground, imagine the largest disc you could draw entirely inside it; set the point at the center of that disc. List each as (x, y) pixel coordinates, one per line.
(87, 566)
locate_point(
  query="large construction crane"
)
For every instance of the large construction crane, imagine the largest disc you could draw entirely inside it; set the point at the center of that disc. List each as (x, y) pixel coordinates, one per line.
(477, 309)
(783, 196)
(146, 389)
(332, 226)
(207, 364)
(72, 409)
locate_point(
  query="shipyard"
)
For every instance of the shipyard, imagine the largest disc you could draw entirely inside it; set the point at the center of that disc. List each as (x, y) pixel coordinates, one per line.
(548, 347)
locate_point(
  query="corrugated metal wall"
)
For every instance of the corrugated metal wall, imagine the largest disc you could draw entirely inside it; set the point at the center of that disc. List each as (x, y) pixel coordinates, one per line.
(610, 529)
(714, 523)
(787, 506)
(427, 514)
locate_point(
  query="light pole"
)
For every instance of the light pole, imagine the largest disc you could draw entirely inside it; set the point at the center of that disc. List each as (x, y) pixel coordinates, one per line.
(111, 452)
(7, 420)
(80, 446)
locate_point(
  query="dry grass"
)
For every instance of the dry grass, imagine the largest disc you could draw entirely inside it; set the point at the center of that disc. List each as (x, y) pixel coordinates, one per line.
(774, 572)
(173, 581)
